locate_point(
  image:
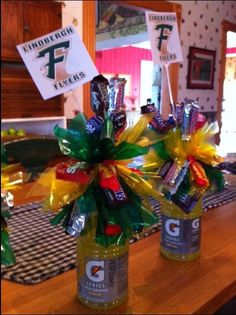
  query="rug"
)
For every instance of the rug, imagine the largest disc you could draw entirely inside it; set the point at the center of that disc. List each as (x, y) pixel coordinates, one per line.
(44, 251)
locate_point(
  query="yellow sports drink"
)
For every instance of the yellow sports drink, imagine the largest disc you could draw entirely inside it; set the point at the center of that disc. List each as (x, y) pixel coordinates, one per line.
(102, 272)
(180, 232)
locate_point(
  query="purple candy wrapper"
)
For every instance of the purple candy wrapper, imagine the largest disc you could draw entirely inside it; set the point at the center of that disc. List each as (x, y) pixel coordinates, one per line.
(193, 118)
(99, 95)
(187, 201)
(172, 173)
(94, 125)
(179, 108)
(158, 123)
(186, 122)
(190, 117)
(118, 118)
(116, 198)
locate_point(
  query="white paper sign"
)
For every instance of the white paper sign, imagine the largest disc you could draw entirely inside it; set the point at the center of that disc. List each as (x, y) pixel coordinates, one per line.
(58, 62)
(164, 37)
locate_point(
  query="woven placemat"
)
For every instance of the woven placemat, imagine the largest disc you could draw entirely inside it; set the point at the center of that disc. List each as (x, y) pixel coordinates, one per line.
(43, 251)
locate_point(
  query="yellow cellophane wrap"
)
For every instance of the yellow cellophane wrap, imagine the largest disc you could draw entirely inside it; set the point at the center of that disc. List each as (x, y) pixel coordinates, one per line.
(11, 177)
(58, 192)
(200, 147)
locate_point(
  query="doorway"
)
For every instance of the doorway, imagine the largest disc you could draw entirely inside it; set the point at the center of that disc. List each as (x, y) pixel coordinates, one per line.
(226, 111)
(89, 38)
(228, 129)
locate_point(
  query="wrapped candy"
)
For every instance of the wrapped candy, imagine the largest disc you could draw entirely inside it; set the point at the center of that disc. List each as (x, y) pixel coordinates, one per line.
(158, 123)
(179, 107)
(187, 159)
(116, 93)
(94, 125)
(99, 95)
(190, 116)
(117, 113)
(118, 119)
(98, 179)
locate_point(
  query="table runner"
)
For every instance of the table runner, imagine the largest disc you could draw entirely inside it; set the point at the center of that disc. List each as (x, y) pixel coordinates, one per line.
(43, 251)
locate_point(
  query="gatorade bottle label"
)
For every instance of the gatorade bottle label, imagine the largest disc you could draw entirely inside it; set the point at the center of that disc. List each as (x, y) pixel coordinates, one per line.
(180, 236)
(104, 280)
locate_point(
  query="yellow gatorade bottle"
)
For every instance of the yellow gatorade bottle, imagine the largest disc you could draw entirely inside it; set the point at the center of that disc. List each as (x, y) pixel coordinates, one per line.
(181, 231)
(102, 272)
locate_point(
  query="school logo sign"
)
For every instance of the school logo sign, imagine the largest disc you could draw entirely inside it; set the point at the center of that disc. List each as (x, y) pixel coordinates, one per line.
(164, 37)
(58, 62)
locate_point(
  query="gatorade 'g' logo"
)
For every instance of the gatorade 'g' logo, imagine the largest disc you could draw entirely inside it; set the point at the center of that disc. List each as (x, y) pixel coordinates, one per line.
(172, 227)
(55, 67)
(95, 270)
(196, 224)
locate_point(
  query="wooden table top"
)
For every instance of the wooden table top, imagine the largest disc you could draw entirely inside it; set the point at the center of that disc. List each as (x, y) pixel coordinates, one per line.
(156, 285)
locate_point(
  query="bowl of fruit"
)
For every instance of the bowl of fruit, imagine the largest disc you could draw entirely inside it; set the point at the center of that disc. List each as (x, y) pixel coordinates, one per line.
(12, 133)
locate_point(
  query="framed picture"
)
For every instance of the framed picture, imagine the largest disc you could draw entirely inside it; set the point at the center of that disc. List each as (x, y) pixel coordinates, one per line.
(201, 68)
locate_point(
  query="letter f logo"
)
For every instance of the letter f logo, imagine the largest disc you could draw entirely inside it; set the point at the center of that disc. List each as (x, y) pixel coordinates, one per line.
(162, 28)
(53, 60)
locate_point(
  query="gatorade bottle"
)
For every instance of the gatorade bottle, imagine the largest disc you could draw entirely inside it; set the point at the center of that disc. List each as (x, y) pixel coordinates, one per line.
(102, 272)
(181, 231)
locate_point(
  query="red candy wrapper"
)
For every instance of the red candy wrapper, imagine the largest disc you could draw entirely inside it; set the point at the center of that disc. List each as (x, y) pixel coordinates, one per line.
(73, 171)
(201, 120)
(116, 93)
(198, 173)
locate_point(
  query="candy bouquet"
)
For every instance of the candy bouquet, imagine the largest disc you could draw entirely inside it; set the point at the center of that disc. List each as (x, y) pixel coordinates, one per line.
(186, 161)
(98, 177)
(100, 198)
(10, 180)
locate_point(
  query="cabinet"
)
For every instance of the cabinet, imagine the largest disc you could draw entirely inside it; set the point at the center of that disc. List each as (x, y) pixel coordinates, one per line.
(21, 98)
(22, 21)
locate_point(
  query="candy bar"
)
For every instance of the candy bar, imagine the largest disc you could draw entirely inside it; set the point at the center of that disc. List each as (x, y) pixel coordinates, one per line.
(149, 108)
(116, 93)
(193, 117)
(74, 172)
(116, 197)
(201, 120)
(198, 173)
(173, 173)
(158, 122)
(118, 118)
(179, 109)
(164, 168)
(99, 95)
(186, 122)
(187, 201)
(94, 125)
(76, 222)
(169, 123)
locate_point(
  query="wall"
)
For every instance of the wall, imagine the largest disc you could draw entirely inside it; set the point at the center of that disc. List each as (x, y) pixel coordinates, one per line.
(72, 15)
(125, 60)
(201, 27)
